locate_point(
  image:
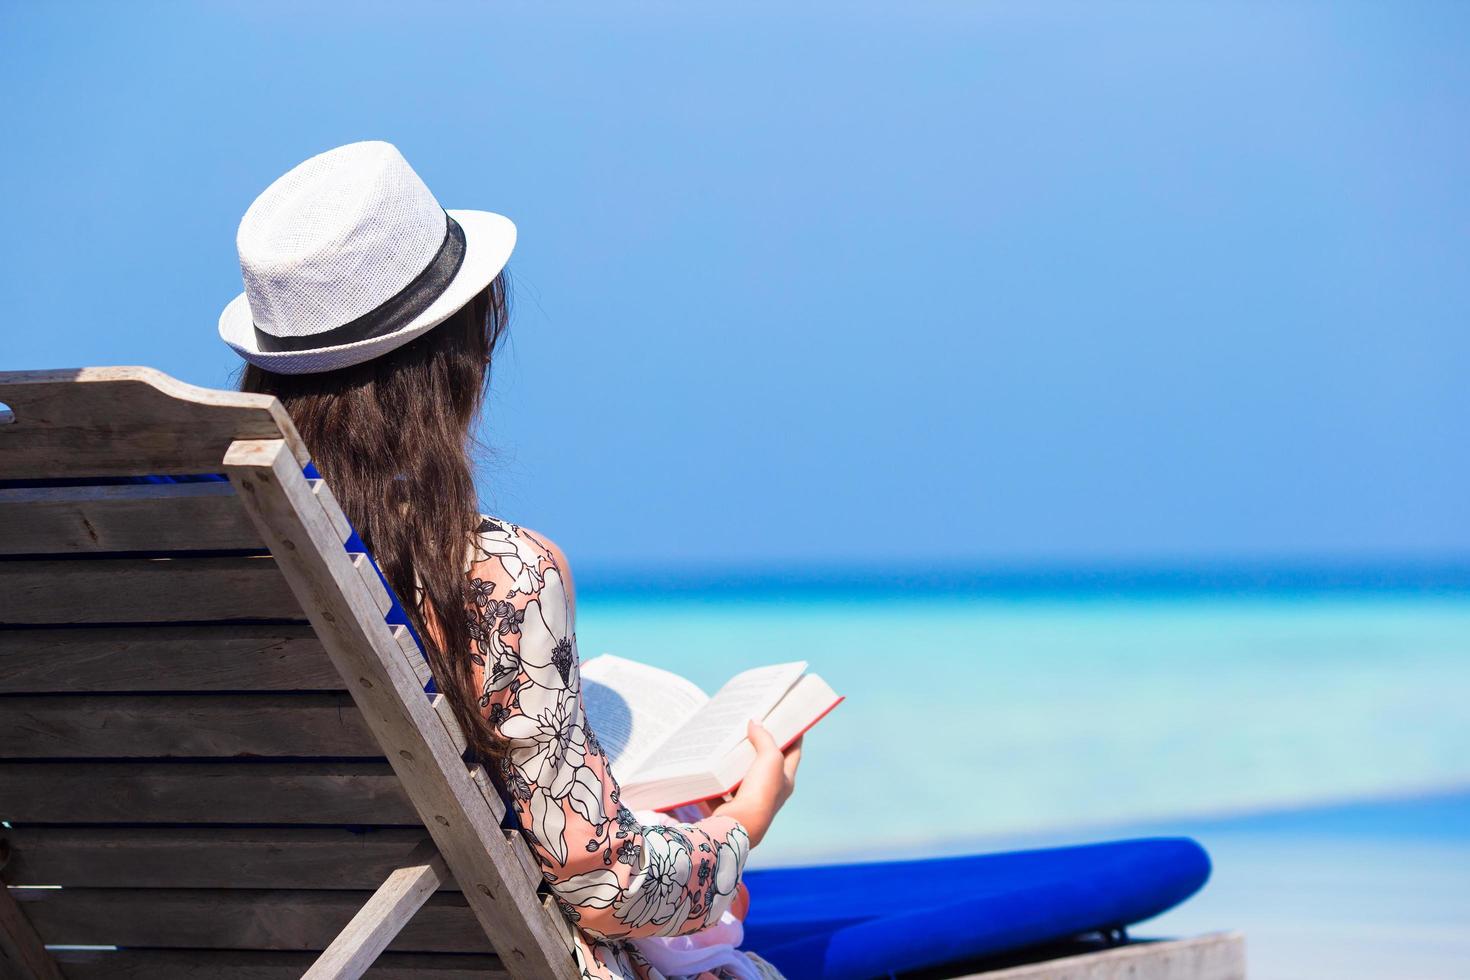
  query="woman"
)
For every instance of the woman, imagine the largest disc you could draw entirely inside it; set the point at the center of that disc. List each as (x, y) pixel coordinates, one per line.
(373, 314)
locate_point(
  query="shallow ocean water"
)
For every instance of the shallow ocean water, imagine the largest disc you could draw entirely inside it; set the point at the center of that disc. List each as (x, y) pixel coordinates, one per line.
(969, 718)
(1366, 890)
(1317, 745)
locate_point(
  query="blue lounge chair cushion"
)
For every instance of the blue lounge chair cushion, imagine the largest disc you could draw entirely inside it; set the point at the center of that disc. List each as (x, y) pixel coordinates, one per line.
(870, 920)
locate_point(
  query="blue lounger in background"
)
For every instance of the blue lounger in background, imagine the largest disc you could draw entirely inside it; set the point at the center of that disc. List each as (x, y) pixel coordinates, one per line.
(868, 920)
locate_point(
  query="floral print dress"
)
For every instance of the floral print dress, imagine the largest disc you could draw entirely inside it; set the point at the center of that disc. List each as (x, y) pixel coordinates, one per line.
(615, 878)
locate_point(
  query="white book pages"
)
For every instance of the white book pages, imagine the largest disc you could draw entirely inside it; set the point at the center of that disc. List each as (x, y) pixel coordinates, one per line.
(698, 745)
(633, 708)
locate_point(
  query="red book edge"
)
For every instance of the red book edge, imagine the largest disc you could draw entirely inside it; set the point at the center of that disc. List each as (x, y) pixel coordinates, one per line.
(721, 796)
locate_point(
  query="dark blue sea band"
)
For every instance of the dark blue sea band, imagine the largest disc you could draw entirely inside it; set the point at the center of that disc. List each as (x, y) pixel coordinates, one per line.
(395, 313)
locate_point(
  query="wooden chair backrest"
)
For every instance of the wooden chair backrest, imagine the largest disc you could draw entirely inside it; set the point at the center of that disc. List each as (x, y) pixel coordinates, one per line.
(210, 739)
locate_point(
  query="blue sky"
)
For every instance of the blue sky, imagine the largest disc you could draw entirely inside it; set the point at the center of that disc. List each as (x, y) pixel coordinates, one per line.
(915, 282)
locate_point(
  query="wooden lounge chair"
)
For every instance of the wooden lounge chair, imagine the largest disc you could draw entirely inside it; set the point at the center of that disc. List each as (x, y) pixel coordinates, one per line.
(218, 748)
(212, 740)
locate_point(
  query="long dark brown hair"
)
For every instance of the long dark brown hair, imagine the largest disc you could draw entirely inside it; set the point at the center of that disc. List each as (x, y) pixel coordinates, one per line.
(392, 437)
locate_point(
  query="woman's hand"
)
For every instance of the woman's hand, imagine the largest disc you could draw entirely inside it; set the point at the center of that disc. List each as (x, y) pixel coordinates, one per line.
(766, 786)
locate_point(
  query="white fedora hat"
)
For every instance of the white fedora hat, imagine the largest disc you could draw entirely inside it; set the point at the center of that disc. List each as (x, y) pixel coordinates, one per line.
(348, 256)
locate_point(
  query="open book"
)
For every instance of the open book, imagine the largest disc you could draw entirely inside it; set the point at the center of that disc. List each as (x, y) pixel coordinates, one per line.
(670, 744)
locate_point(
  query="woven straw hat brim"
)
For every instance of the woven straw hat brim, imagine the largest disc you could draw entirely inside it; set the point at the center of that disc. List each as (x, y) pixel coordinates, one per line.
(489, 240)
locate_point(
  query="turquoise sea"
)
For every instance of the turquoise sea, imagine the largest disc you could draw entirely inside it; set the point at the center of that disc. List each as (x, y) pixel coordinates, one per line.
(1251, 716)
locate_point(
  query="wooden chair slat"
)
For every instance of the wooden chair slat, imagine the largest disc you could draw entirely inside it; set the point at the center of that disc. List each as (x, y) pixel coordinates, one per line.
(413, 655)
(134, 726)
(217, 857)
(190, 964)
(332, 509)
(206, 857)
(203, 792)
(451, 723)
(1214, 956)
(559, 923)
(144, 590)
(127, 421)
(233, 657)
(174, 918)
(519, 850)
(383, 917)
(146, 517)
(374, 584)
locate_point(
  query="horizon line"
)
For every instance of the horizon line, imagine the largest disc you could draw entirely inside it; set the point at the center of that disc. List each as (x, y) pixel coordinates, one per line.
(953, 577)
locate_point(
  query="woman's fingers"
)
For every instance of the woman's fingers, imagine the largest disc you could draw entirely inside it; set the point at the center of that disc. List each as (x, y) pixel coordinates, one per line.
(760, 738)
(792, 760)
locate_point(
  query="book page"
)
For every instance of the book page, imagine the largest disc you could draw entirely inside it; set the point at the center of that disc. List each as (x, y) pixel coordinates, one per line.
(633, 708)
(808, 701)
(803, 705)
(719, 725)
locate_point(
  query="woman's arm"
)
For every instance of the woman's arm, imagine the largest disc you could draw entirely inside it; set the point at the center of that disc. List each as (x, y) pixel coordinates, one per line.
(614, 877)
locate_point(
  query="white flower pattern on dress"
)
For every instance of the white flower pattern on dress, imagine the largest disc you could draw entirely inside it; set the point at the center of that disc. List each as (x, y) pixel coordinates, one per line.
(520, 559)
(660, 892)
(612, 876)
